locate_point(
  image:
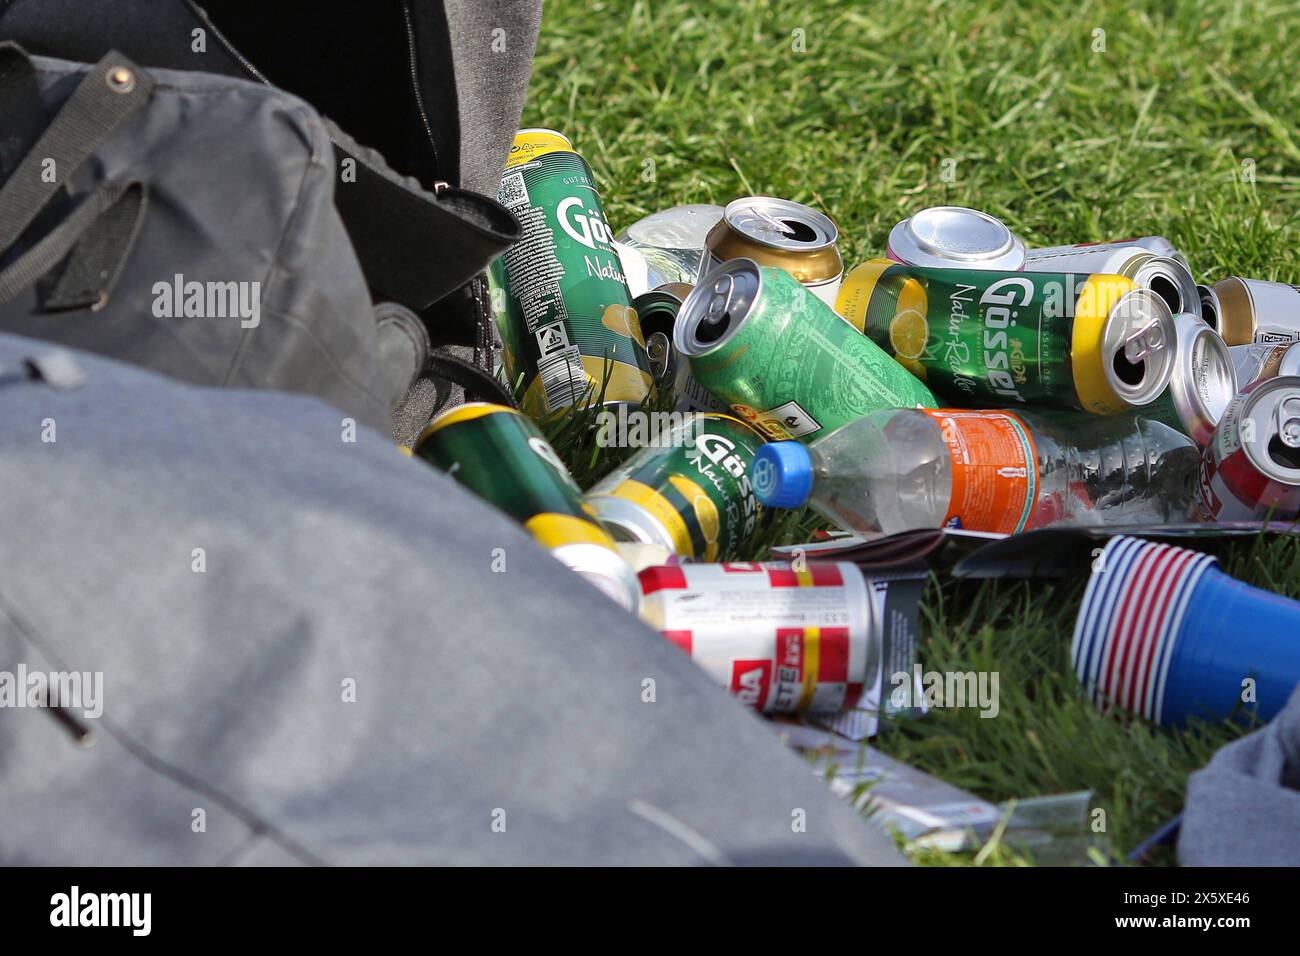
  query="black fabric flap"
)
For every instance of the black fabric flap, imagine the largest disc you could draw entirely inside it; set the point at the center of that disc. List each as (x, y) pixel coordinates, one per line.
(415, 247)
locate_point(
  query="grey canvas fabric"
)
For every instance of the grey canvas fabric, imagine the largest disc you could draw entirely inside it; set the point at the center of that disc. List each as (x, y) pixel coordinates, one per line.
(1243, 808)
(514, 698)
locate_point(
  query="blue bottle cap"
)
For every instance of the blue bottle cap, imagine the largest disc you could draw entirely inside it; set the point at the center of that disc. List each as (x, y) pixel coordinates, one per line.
(783, 474)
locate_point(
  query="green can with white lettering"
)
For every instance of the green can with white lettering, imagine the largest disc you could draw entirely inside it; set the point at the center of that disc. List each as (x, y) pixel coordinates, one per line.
(780, 357)
(983, 338)
(565, 315)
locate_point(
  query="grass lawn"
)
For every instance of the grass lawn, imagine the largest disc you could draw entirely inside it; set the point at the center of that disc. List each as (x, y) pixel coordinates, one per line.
(1177, 120)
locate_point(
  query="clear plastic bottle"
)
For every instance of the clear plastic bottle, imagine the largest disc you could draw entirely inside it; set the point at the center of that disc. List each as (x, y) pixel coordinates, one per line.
(984, 470)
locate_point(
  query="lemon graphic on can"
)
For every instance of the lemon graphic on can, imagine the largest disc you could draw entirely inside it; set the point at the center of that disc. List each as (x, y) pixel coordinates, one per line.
(908, 335)
(623, 320)
(706, 513)
(909, 332)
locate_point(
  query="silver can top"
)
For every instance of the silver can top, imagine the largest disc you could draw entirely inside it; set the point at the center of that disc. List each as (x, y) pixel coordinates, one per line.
(956, 236)
(1269, 428)
(604, 568)
(1204, 379)
(1138, 344)
(780, 223)
(717, 307)
(628, 521)
(1169, 279)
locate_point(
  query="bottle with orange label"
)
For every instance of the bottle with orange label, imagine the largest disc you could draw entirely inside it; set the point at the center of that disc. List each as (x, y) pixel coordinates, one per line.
(986, 470)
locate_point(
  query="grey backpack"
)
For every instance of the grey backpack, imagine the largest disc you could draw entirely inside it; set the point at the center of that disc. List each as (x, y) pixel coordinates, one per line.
(183, 222)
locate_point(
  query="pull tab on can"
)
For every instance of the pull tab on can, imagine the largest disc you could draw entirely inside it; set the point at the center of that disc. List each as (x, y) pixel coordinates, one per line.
(720, 302)
(659, 350)
(1287, 419)
(1145, 341)
(775, 224)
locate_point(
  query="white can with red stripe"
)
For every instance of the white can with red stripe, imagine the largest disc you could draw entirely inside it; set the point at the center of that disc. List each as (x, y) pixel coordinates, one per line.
(781, 640)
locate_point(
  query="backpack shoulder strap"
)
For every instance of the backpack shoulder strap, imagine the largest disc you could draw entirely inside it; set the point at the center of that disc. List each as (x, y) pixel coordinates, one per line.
(110, 93)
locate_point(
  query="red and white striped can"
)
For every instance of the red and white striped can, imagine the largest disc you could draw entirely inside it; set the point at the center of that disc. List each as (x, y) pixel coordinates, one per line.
(781, 640)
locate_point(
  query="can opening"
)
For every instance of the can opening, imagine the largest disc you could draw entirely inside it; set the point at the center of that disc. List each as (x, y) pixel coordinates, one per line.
(712, 327)
(1283, 454)
(654, 321)
(717, 316)
(1167, 289)
(1209, 313)
(1130, 373)
(799, 231)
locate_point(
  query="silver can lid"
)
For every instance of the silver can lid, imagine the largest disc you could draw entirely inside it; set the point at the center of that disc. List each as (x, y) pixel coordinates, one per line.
(1204, 379)
(717, 307)
(628, 521)
(1271, 440)
(1169, 279)
(1138, 344)
(780, 223)
(604, 568)
(956, 236)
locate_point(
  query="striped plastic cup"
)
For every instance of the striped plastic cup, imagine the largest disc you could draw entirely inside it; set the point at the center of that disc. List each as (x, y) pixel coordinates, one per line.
(1165, 634)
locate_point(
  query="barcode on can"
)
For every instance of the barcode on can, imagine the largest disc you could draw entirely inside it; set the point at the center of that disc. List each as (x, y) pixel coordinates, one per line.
(513, 191)
(697, 398)
(564, 380)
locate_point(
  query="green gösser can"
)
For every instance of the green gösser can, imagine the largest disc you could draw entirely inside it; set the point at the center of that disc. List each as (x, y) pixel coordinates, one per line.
(565, 314)
(982, 338)
(498, 454)
(780, 357)
(691, 494)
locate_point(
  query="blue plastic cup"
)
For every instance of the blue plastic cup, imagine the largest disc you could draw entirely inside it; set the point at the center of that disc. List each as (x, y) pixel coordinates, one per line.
(1164, 633)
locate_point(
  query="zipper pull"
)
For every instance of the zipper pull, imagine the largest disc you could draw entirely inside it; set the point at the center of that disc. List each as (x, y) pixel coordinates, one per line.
(440, 186)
